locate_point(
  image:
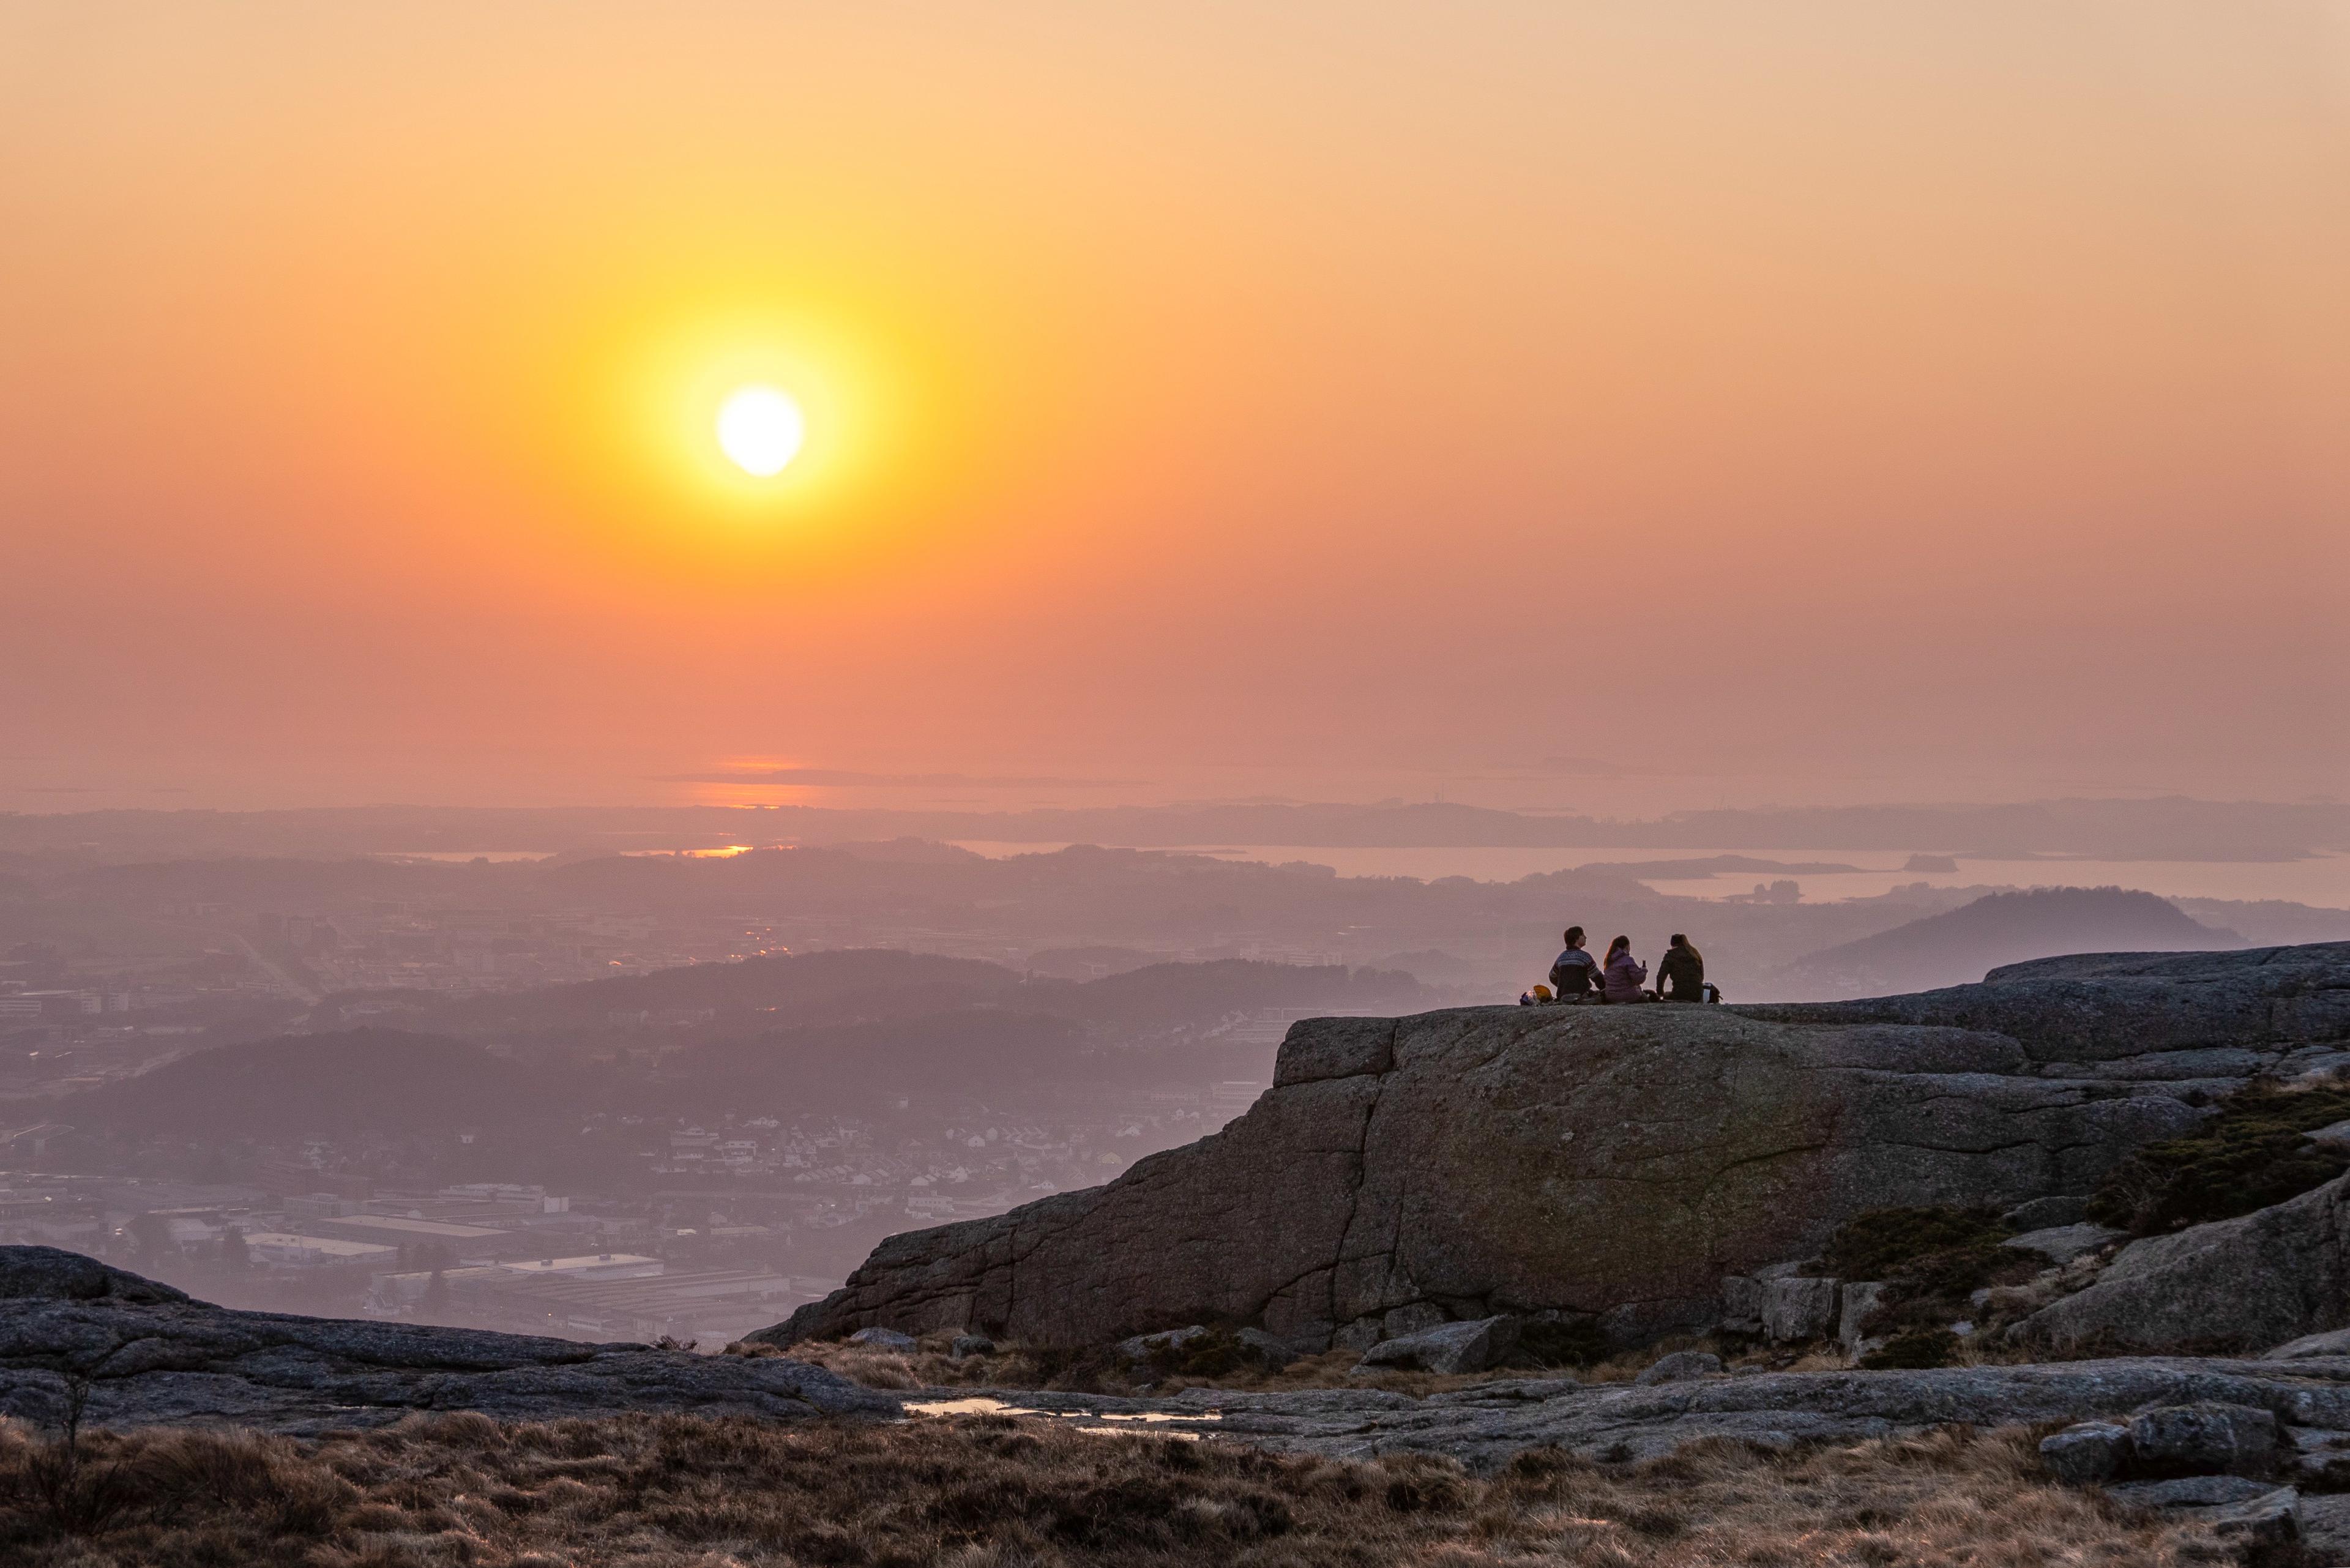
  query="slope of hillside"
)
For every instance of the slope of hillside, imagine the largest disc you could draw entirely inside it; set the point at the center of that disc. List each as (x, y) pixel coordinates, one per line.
(838, 1033)
(806, 988)
(876, 984)
(375, 1080)
(1961, 946)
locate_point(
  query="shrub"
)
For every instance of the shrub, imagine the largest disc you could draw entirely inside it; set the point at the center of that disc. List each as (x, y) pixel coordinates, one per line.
(1931, 1261)
(2253, 1153)
(1875, 1245)
(1577, 1342)
(1216, 1354)
(1914, 1351)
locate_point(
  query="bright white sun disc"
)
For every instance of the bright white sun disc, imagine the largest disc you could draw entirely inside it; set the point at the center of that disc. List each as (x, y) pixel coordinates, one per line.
(761, 429)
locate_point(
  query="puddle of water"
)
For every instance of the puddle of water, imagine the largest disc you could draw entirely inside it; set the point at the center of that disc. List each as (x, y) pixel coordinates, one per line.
(981, 1406)
(1138, 1422)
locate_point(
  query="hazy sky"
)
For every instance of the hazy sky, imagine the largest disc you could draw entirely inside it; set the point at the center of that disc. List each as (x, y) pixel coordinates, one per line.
(1823, 401)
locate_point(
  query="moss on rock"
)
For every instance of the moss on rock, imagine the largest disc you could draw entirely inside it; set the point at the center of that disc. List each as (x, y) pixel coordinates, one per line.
(2255, 1152)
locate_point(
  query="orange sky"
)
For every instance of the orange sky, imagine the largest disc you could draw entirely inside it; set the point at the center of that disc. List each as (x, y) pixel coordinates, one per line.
(1803, 401)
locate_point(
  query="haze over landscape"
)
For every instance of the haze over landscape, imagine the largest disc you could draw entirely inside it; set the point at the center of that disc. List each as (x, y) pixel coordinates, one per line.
(664, 666)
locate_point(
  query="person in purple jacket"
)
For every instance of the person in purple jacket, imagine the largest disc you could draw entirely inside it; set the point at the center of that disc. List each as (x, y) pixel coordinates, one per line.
(1622, 976)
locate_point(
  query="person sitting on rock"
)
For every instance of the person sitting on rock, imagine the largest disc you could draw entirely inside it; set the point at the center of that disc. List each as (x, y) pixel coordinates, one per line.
(1621, 977)
(1681, 973)
(1576, 973)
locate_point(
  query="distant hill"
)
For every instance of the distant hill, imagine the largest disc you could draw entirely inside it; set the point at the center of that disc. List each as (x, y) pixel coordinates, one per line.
(857, 1068)
(1147, 1026)
(789, 988)
(2271, 923)
(875, 985)
(842, 1033)
(1088, 962)
(1160, 995)
(1960, 946)
(303, 1085)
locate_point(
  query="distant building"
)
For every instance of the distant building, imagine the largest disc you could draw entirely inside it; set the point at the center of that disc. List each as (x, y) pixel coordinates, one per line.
(459, 1241)
(282, 1249)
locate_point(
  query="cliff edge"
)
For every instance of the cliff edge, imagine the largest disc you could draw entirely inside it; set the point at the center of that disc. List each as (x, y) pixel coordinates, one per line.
(1614, 1163)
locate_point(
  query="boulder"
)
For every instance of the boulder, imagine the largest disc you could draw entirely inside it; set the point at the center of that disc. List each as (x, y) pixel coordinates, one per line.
(52, 1273)
(1800, 1309)
(2190, 1491)
(2086, 1451)
(2273, 1519)
(1453, 1348)
(1276, 1352)
(2333, 1342)
(2278, 1275)
(2319, 1460)
(146, 1354)
(967, 1345)
(2063, 1243)
(2336, 1136)
(2325, 1525)
(1398, 1322)
(884, 1339)
(1141, 1347)
(2043, 1213)
(1859, 1299)
(1741, 1303)
(2245, 1511)
(2207, 1437)
(1613, 1163)
(1679, 1366)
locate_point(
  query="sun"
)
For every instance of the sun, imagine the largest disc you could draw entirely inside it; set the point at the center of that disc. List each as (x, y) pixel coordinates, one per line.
(761, 429)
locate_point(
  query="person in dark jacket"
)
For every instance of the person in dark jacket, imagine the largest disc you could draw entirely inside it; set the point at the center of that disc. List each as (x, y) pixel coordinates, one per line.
(1576, 973)
(1681, 973)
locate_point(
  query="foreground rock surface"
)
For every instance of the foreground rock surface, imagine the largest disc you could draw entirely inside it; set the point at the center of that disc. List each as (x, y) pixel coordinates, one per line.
(1617, 1162)
(148, 1355)
(1486, 1425)
(2277, 1274)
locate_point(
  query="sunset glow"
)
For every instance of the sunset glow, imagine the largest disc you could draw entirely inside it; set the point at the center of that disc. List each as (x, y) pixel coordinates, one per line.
(761, 429)
(1181, 393)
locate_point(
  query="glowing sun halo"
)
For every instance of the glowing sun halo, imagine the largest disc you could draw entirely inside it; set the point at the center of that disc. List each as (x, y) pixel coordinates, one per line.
(761, 429)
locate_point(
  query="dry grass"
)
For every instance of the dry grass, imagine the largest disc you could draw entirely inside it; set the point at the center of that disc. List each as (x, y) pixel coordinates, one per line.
(1001, 1492)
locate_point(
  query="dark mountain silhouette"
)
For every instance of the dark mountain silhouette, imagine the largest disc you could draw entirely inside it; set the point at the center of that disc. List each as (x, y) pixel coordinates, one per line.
(796, 989)
(846, 1033)
(362, 1080)
(1960, 946)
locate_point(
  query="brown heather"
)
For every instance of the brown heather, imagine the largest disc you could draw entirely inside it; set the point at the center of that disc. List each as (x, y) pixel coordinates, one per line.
(996, 1491)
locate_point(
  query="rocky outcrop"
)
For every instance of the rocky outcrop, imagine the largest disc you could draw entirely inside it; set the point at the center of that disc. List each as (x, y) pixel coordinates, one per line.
(139, 1352)
(1610, 1161)
(1486, 1425)
(2256, 1280)
(142, 1353)
(1450, 1347)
